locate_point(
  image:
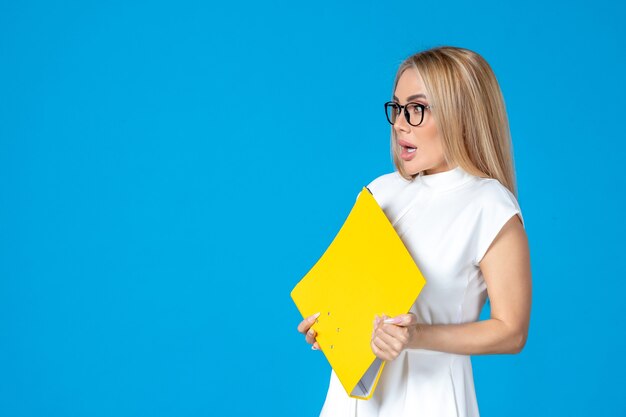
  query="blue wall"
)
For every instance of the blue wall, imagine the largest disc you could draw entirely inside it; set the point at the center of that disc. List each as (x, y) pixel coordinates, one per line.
(170, 170)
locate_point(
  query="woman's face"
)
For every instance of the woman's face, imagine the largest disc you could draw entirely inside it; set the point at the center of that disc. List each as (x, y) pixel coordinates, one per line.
(428, 154)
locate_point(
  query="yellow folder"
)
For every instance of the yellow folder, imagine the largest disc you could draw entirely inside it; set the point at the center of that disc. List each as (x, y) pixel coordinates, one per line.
(365, 271)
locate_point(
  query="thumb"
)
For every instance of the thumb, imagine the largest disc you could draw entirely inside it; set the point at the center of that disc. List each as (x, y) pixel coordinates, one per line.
(403, 320)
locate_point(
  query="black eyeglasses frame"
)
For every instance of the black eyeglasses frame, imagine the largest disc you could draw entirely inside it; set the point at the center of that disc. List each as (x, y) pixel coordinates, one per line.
(398, 108)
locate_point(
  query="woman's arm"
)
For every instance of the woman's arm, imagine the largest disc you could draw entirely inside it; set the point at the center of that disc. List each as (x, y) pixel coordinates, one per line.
(506, 269)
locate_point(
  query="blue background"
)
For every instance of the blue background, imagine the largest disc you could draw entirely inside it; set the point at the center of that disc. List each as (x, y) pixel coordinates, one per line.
(170, 170)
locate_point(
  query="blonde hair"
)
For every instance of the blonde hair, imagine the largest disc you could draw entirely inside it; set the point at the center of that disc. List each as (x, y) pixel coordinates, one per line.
(469, 111)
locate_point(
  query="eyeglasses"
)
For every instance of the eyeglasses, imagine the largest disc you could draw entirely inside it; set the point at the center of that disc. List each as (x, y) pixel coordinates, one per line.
(413, 112)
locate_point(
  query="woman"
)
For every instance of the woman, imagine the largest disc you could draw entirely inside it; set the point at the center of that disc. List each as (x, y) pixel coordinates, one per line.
(452, 201)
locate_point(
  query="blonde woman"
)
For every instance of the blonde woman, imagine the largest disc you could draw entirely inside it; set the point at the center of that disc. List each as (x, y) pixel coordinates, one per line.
(452, 200)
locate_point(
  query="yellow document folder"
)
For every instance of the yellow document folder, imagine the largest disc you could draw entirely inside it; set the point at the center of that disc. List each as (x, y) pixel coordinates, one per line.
(366, 271)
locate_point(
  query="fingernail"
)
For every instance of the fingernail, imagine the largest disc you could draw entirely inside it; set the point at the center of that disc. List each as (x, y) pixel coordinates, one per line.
(313, 347)
(316, 315)
(394, 320)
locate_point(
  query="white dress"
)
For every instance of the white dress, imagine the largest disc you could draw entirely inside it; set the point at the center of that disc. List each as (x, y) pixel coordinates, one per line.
(447, 222)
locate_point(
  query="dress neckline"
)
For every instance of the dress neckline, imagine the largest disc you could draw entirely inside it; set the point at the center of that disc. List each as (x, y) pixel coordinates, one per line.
(444, 181)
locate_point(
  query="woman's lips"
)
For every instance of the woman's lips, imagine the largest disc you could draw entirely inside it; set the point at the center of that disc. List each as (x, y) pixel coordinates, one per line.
(407, 154)
(408, 150)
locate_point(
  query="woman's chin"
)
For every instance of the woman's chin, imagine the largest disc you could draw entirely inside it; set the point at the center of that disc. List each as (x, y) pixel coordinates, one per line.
(412, 169)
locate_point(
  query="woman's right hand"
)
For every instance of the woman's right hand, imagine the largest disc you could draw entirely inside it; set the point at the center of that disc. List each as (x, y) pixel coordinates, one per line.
(305, 328)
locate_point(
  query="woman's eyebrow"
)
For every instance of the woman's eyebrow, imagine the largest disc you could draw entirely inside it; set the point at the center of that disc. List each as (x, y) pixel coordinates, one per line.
(413, 97)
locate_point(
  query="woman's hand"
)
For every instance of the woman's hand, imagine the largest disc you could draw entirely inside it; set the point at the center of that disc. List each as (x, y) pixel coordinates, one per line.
(392, 335)
(305, 328)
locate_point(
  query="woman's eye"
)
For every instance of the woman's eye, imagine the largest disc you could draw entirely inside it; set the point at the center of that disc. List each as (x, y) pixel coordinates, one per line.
(416, 109)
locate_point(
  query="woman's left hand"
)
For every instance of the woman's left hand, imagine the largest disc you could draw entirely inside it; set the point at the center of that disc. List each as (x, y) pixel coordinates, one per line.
(392, 335)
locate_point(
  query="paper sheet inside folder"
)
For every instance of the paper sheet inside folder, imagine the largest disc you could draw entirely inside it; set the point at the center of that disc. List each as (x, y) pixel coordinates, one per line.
(364, 272)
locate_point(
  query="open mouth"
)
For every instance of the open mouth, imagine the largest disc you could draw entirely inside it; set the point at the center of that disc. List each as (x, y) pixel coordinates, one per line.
(406, 146)
(407, 150)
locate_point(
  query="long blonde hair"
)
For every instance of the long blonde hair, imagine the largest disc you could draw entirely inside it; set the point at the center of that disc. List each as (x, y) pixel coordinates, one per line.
(469, 111)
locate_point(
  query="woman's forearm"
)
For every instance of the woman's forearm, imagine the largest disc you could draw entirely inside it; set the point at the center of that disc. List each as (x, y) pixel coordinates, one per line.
(477, 338)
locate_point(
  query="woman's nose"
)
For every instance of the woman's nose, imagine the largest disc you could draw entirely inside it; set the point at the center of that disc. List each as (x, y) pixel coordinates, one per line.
(401, 123)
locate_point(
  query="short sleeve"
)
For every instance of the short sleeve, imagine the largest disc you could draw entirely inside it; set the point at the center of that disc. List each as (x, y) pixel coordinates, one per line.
(498, 205)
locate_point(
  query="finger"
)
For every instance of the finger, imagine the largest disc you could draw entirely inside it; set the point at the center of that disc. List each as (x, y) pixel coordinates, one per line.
(305, 324)
(316, 346)
(393, 342)
(382, 344)
(378, 351)
(310, 336)
(403, 320)
(395, 331)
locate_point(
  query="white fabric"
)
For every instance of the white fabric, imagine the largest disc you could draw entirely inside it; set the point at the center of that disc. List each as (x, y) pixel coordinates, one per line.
(447, 222)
